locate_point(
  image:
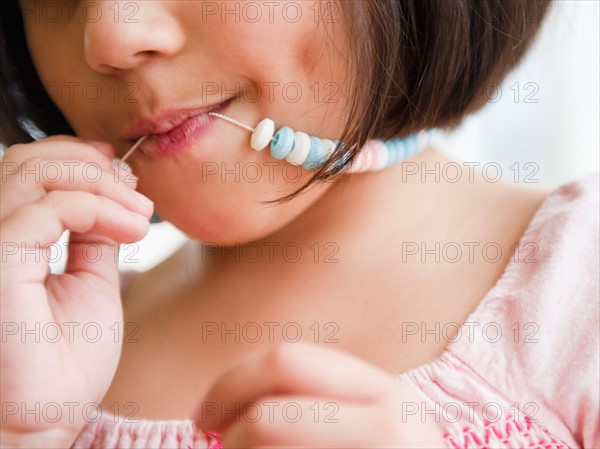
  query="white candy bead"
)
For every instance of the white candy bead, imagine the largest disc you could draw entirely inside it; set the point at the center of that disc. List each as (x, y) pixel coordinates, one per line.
(301, 148)
(329, 148)
(263, 132)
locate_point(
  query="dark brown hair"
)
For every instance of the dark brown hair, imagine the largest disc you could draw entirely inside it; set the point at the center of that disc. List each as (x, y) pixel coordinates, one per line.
(417, 64)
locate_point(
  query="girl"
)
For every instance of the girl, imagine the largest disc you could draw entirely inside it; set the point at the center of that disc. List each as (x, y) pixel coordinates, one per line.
(317, 304)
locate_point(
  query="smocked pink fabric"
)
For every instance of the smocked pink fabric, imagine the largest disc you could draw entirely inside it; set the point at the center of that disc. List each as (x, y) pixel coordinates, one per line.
(523, 372)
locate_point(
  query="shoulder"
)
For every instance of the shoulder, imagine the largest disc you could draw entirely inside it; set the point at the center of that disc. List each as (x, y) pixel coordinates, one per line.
(536, 334)
(555, 272)
(563, 274)
(548, 306)
(563, 239)
(565, 360)
(585, 188)
(575, 201)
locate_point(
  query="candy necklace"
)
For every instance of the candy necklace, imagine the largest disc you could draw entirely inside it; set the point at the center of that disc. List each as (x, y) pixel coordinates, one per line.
(309, 152)
(299, 148)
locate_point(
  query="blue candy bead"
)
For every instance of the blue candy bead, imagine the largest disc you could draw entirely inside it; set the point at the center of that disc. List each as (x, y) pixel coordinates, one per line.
(431, 135)
(415, 147)
(283, 143)
(337, 166)
(412, 143)
(396, 151)
(315, 155)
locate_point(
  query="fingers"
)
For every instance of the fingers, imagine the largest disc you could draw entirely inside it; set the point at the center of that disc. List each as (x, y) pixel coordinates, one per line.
(353, 404)
(62, 174)
(299, 369)
(35, 226)
(61, 183)
(279, 421)
(53, 163)
(45, 220)
(58, 147)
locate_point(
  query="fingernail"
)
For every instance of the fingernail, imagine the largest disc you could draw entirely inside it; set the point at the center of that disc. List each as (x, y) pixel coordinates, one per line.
(139, 218)
(142, 198)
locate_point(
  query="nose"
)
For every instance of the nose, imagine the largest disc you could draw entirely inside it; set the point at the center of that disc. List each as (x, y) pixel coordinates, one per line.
(123, 39)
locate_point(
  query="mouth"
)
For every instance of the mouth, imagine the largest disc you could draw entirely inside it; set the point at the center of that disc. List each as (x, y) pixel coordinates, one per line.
(174, 130)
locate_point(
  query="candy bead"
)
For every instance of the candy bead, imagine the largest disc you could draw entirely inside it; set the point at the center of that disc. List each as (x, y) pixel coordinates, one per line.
(359, 165)
(283, 143)
(370, 152)
(262, 134)
(338, 164)
(396, 150)
(301, 148)
(412, 146)
(423, 139)
(330, 146)
(380, 155)
(315, 155)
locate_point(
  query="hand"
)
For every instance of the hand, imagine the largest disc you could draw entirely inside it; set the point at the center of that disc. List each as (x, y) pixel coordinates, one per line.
(49, 322)
(300, 395)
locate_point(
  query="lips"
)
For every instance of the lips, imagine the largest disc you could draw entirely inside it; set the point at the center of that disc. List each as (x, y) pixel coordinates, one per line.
(174, 130)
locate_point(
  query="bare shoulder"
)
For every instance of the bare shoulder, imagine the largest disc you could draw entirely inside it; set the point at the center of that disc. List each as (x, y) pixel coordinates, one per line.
(528, 196)
(517, 201)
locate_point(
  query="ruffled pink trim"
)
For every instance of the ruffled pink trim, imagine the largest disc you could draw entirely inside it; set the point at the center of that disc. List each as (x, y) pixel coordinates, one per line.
(115, 432)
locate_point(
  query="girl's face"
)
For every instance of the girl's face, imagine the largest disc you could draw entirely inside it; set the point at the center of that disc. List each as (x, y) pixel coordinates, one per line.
(107, 65)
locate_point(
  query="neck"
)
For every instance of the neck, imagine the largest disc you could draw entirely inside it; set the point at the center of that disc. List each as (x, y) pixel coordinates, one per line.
(352, 243)
(353, 211)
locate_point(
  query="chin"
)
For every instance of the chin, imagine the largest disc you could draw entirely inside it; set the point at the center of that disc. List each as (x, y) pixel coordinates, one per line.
(226, 216)
(221, 227)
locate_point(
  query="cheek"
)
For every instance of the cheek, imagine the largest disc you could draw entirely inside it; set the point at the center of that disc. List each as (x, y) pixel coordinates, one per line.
(290, 71)
(222, 203)
(249, 34)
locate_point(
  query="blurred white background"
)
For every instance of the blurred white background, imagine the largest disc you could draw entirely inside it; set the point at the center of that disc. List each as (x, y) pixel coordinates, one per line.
(546, 113)
(547, 110)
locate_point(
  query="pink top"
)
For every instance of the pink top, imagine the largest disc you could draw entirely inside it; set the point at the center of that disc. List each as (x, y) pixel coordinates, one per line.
(524, 369)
